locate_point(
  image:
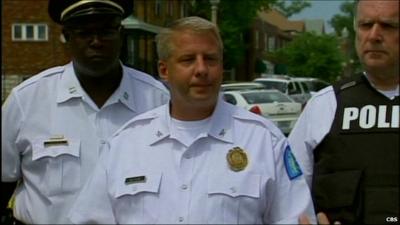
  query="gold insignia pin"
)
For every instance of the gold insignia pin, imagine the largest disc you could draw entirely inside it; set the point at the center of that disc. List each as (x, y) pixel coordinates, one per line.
(237, 159)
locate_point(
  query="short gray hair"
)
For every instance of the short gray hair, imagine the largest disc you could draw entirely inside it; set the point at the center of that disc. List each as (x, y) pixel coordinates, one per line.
(193, 23)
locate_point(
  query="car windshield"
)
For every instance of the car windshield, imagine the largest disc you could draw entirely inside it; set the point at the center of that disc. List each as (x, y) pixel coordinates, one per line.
(280, 86)
(316, 85)
(265, 97)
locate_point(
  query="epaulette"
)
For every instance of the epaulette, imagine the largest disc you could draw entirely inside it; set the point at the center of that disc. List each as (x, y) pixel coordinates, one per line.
(347, 83)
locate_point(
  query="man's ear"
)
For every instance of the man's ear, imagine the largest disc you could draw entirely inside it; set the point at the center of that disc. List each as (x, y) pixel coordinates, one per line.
(163, 70)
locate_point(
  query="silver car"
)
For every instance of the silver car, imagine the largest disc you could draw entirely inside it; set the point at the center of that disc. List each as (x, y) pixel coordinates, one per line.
(292, 87)
(271, 104)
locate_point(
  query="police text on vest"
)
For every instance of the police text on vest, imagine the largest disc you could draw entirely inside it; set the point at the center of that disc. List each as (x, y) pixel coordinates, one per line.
(370, 116)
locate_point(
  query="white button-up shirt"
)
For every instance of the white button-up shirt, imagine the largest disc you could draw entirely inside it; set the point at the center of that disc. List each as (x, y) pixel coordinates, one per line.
(53, 134)
(139, 180)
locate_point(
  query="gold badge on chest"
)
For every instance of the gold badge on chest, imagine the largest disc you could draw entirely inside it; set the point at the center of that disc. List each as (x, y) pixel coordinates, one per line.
(237, 159)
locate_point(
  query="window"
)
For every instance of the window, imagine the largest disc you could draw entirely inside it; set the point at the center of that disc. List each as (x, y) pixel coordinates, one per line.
(271, 44)
(265, 41)
(131, 51)
(184, 9)
(170, 8)
(157, 8)
(257, 40)
(294, 88)
(305, 87)
(230, 99)
(29, 32)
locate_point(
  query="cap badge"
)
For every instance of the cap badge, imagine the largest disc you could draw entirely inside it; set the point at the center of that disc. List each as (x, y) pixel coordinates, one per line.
(237, 159)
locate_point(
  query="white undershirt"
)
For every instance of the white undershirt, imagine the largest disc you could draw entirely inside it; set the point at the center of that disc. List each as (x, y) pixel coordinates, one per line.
(391, 94)
(188, 131)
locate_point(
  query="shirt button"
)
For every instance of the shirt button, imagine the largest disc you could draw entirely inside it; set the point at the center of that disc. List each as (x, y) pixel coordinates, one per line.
(181, 219)
(184, 186)
(233, 189)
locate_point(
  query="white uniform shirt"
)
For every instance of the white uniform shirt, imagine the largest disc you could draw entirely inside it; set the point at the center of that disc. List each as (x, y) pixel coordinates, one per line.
(140, 180)
(314, 124)
(53, 105)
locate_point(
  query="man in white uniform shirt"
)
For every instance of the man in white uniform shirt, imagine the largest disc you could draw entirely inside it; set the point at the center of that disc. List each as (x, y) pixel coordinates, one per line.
(197, 159)
(347, 138)
(55, 124)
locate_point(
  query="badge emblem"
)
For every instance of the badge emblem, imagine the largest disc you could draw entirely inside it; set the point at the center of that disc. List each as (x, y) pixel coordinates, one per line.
(292, 167)
(237, 159)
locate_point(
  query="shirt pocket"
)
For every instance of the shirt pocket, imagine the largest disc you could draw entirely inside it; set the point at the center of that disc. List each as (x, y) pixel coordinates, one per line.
(234, 198)
(136, 197)
(60, 165)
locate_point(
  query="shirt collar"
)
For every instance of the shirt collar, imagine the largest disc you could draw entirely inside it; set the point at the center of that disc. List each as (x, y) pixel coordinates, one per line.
(124, 92)
(221, 123)
(69, 86)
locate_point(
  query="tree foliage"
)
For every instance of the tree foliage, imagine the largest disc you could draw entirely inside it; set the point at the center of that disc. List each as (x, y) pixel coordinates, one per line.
(293, 8)
(311, 55)
(344, 20)
(235, 19)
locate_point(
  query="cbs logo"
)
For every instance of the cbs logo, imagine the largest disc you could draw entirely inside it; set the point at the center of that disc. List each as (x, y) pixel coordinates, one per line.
(391, 219)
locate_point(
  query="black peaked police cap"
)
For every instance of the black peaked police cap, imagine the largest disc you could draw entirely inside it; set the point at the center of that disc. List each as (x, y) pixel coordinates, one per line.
(61, 11)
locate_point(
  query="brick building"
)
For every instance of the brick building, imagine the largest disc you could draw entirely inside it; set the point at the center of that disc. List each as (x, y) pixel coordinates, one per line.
(31, 41)
(271, 30)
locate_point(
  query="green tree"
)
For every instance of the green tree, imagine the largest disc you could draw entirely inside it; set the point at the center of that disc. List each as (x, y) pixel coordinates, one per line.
(311, 55)
(344, 20)
(235, 18)
(293, 8)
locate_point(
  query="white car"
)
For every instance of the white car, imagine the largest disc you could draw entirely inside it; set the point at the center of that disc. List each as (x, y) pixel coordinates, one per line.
(241, 86)
(313, 84)
(294, 88)
(271, 104)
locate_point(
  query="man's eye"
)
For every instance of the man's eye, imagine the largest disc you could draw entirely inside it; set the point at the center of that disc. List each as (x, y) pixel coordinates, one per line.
(189, 59)
(212, 58)
(365, 25)
(390, 25)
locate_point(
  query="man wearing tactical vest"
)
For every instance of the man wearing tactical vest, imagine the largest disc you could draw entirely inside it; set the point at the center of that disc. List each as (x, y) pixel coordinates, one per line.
(347, 138)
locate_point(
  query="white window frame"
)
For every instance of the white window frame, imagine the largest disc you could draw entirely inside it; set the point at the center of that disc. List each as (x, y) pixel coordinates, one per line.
(24, 27)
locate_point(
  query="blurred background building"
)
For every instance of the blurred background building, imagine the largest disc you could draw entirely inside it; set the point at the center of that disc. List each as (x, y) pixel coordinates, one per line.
(31, 42)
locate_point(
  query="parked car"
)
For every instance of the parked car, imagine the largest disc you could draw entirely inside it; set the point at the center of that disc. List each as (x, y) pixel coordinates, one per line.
(313, 84)
(271, 104)
(241, 86)
(296, 89)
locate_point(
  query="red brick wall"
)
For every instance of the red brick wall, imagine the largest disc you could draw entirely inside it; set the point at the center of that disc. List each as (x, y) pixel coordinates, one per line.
(29, 57)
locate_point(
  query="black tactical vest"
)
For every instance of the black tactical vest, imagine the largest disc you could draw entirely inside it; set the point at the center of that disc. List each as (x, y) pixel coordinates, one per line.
(356, 170)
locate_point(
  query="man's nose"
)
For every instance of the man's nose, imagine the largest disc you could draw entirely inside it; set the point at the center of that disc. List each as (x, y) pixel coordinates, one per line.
(201, 66)
(96, 39)
(375, 33)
